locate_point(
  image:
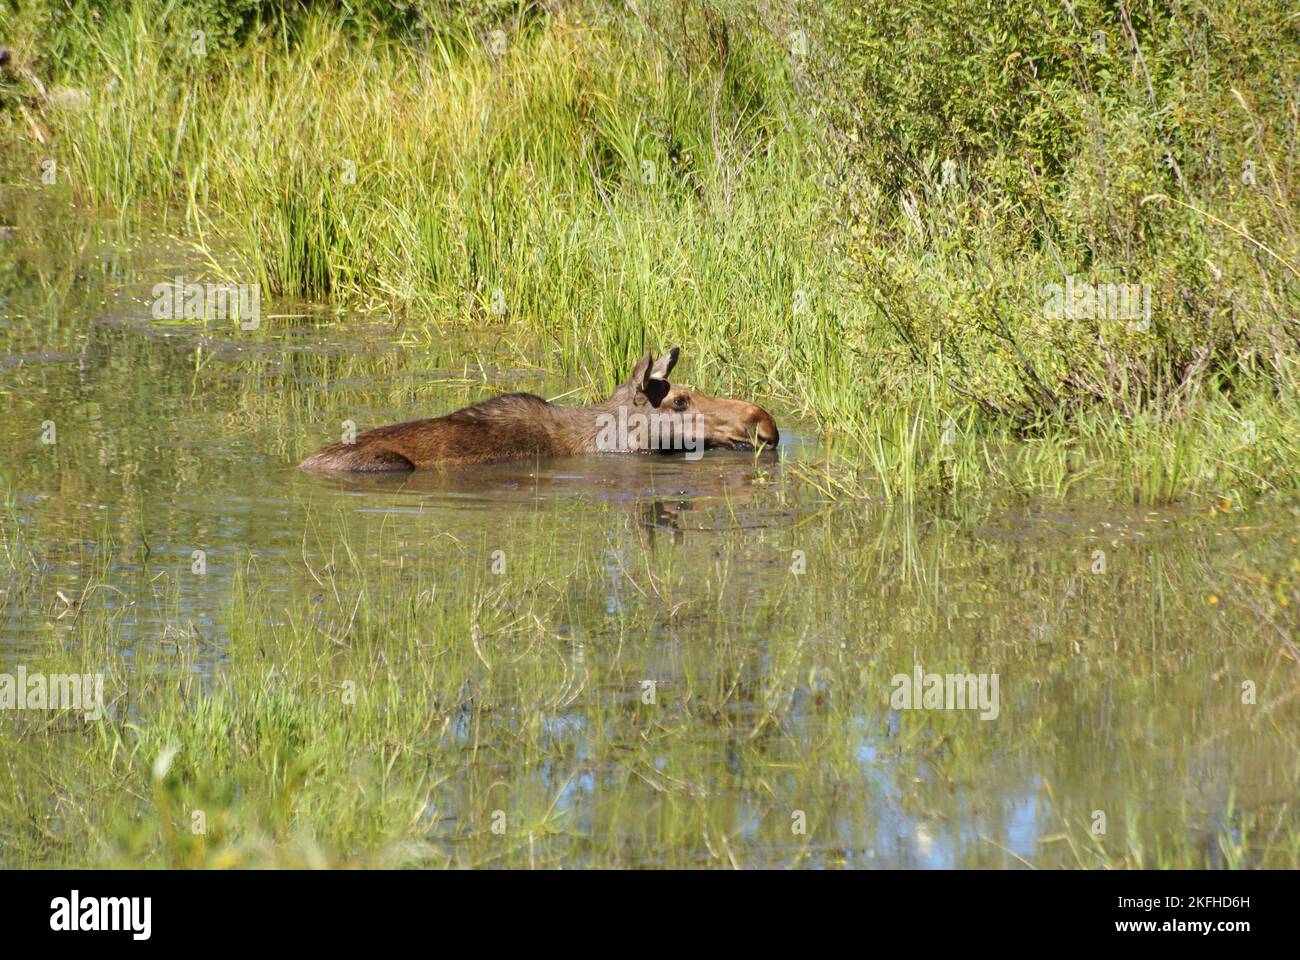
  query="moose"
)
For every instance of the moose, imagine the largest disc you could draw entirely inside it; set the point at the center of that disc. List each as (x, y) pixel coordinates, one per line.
(645, 414)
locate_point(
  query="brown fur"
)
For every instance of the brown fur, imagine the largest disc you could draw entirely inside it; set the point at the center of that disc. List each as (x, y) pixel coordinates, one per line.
(520, 426)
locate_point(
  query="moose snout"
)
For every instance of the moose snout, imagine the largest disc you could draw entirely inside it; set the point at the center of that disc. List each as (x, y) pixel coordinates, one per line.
(759, 424)
(737, 424)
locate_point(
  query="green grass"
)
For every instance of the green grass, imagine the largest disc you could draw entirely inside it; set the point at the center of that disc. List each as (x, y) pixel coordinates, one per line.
(795, 239)
(420, 171)
(379, 705)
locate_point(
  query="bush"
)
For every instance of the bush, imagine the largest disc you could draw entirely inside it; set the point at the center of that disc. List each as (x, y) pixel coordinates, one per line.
(995, 153)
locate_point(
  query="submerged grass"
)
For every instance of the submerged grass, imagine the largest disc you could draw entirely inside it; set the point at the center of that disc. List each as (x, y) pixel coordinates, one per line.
(612, 702)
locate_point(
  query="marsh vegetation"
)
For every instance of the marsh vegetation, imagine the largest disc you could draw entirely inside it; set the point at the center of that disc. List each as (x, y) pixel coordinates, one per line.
(867, 220)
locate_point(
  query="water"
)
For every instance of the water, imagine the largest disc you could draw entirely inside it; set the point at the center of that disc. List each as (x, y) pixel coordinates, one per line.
(769, 623)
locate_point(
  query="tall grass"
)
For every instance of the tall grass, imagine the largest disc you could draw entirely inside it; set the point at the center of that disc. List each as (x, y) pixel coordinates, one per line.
(588, 181)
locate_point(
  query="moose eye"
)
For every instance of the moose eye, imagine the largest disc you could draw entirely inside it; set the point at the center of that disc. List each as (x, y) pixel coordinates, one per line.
(680, 403)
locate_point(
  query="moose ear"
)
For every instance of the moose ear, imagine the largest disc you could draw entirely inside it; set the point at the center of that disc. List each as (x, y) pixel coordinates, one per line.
(641, 372)
(664, 365)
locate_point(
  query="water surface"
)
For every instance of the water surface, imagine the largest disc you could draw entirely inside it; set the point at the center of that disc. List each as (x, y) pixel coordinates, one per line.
(768, 622)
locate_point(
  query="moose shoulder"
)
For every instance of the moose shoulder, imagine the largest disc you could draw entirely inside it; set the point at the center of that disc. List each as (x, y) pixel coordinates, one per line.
(646, 413)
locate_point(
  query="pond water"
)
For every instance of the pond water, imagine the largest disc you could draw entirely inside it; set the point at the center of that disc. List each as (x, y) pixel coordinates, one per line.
(739, 639)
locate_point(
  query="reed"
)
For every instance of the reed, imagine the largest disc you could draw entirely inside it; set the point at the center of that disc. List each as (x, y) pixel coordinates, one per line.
(589, 183)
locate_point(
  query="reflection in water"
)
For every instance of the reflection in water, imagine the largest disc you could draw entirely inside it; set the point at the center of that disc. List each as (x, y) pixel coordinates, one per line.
(529, 611)
(654, 489)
